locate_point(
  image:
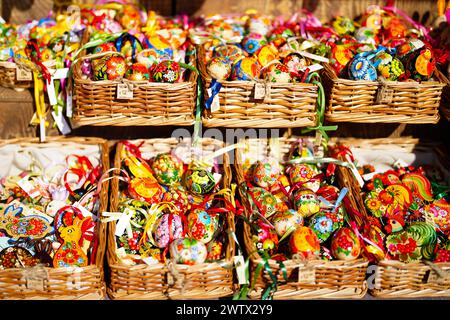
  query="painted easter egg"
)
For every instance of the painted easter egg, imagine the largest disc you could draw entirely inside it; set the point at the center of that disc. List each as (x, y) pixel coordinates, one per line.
(343, 25)
(286, 222)
(137, 72)
(325, 223)
(421, 64)
(145, 189)
(219, 68)
(265, 174)
(230, 52)
(328, 192)
(360, 68)
(246, 69)
(266, 238)
(165, 71)
(408, 48)
(258, 25)
(366, 35)
(105, 47)
(305, 242)
(149, 57)
(345, 245)
(160, 45)
(188, 251)
(440, 214)
(109, 67)
(199, 181)
(175, 36)
(201, 225)
(167, 168)
(252, 42)
(306, 175)
(295, 64)
(169, 227)
(388, 67)
(278, 73)
(177, 195)
(267, 54)
(306, 202)
(266, 200)
(341, 55)
(215, 249)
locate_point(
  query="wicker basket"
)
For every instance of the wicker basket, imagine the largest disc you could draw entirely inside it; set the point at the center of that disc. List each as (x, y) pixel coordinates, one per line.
(445, 103)
(153, 103)
(376, 102)
(286, 106)
(322, 279)
(86, 283)
(395, 279)
(8, 77)
(170, 281)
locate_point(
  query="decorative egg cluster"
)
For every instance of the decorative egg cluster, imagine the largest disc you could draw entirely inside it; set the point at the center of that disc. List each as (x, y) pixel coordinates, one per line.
(295, 209)
(174, 211)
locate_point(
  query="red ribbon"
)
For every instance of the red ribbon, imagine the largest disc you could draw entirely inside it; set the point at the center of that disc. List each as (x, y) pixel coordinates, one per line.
(33, 46)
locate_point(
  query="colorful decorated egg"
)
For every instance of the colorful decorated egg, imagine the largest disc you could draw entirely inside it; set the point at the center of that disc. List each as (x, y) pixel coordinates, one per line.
(360, 68)
(408, 48)
(219, 68)
(306, 202)
(214, 248)
(278, 73)
(199, 181)
(325, 223)
(109, 67)
(177, 195)
(305, 174)
(305, 242)
(366, 35)
(188, 251)
(167, 168)
(267, 54)
(439, 210)
(160, 45)
(345, 245)
(105, 47)
(165, 71)
(421, 64)
(258, 25)
(341, 55)
(246, 69)
(286, 222)
(201, 225)
(169, 227)
(137, 72)
(265, 174)
(145, 189)
(252, 42)
(149, 57)
(266, 238)
(388, 67)
(266, 201)
(295, 64)
(230, 52)
(343, 25)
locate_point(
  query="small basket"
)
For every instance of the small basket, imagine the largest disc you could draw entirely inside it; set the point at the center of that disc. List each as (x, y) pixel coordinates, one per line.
(445, 103)
(395, 279)
(8, 77)
(314, 279)
(286, 105)
(85, 283)
(382, 102)
(170, 281)
(153, 103)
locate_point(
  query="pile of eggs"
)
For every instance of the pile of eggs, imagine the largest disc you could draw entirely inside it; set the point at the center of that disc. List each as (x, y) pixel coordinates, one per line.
(294, 211)
(187, 228)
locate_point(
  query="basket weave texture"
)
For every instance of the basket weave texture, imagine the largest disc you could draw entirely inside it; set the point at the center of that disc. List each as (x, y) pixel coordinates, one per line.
(8, 77)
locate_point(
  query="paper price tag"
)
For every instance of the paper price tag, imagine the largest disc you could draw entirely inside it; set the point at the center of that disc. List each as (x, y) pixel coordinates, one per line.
(307, 275)
(61, 122)
(69, 104)
(51, 92)
(60, 73)
(150, 261)
(240, 269)
(260, 91)
(313, 67)
(215, 105)
(122, 224)
(42, 130)
(23, 74)
(29, 188)
(124, 91)
(385, 95)
(399, 164)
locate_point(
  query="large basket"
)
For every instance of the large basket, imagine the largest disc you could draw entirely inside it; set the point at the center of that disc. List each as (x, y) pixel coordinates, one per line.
(395, 279)
(387, 102)
(284, 106)
(170, 281)
(8, 77)
(153, 103)
(85, 283)
(322, 279)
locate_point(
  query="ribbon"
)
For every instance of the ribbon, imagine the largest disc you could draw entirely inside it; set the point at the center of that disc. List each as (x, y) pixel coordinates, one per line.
(31, 47)
(215, 89)
(121, 40)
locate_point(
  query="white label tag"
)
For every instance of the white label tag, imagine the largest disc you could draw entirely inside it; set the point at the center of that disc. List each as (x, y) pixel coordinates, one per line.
(23, 74)
(60, 73)
(260, 91)
(61, 122)
(29, 188)
(150, 261)
(69, 105)
(42, 130)
(122, 224)
(215, 105)
(240, 269)
(399, 164)
(307, 275)
(51, 92)
(313, 56)
(313, 67)
(217, 177)
(85, 212)
(124, 91)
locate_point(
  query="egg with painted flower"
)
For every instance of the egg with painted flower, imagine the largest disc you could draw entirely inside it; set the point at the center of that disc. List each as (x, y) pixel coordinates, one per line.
(229, 52)
(306, 202)
(201, 225)
(166, 71)
(286, 221)
(160, 45)
(306, 175)
(167, 168)
(266, 201)
(295, 64)
(188, 251)
(421, 64)
(252, 42)
(304, 241)
(267, 54)
(265, 238)
(215, 249)
(389, 68)
(105, 47)
(177, 195)
(137, 72)
(246, 69)
(278, 73)
(265, 174)
(360, 68)
(109, 67)
(219, 68)
(325, 223)
(199, 181)
(345, 245)
(167, 228)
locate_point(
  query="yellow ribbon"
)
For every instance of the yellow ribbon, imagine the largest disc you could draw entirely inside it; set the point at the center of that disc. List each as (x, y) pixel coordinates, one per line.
(154, 213)
(151, 25)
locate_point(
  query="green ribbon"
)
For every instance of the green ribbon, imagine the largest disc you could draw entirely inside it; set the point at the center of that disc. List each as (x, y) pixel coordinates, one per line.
(198, 112)
(314, 78)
